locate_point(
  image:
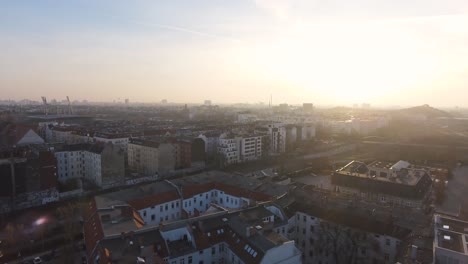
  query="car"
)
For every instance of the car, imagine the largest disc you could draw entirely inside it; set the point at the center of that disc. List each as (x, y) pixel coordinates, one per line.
(37, 260)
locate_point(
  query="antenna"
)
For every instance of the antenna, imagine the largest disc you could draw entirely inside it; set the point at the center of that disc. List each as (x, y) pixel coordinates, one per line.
(44, 101)
(70, 109)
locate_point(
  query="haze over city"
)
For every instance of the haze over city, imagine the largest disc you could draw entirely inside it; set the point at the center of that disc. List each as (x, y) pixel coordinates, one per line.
(234, 132)
(330, 52)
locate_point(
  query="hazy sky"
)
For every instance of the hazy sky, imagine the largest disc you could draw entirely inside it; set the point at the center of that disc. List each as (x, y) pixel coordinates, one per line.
(393, 52)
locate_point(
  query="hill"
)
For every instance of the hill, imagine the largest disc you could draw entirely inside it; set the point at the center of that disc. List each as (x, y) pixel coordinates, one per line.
(423, 110)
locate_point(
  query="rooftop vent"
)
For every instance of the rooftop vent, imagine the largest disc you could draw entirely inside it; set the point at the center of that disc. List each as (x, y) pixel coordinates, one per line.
(448, 238)
(258, 228)
(445, 227)
(114, 222)
(224, 219)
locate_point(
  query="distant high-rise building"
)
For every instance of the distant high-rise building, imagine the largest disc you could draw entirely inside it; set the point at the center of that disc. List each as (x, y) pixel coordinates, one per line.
(127, 101)
(163, 101)
(207, 102)
(308, 107)
(283, 107)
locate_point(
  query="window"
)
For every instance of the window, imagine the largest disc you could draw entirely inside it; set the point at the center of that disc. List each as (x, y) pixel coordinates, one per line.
(213, 251)
(363, 251)
(311, 228)
(182, 261)
(166, 207)
(160, 208)
(190, 260)
(144, 213)
(200, 252)
(153, 217)
(172, 205)
(304, 218)
(386, 257)
(387, 242)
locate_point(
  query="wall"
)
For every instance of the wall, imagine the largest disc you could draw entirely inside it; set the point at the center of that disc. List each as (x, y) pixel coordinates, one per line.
(112, 165)
(310, 232)
(156, 214)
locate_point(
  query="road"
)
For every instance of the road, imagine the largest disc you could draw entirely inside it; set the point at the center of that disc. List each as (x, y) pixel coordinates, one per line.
(410, 145)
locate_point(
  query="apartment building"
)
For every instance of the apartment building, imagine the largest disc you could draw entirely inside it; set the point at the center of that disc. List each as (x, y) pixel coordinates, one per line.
(120, 140)
(228, 148)
(336, 237)
(100, 164)
(211, 139)
(151, 157)
(245, 236)
(275, 140)
(450, 240)
(250, 147)
(398, 184)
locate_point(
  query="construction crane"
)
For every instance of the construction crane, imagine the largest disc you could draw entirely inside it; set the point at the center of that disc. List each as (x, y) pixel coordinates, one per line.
(70, 109)
(46, 108)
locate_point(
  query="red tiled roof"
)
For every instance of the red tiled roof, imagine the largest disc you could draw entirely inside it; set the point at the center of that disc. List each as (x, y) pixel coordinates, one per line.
(13, 133)
(154, 199)
(193, 190)
(239, 192)
(236, 243)
(92, 229)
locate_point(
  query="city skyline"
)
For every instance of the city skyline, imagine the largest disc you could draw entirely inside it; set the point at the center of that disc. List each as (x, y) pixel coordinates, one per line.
(327, 53)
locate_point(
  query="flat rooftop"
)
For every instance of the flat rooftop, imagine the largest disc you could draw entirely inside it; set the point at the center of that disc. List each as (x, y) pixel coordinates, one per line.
(410, 176)
(381, 164)
(451, 234)
(450, 240)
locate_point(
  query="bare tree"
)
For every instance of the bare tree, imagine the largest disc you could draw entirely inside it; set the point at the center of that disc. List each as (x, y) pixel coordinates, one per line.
(68, 215)
(341, 244)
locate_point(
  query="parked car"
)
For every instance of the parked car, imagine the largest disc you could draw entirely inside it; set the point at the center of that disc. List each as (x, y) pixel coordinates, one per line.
(37, 260)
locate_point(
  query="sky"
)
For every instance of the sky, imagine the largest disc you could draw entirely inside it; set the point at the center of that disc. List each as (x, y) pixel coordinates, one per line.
(340, 52)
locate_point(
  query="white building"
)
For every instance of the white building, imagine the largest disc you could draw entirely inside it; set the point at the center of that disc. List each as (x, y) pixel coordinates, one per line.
(102, 165)
(277, 138)
(450, 240)
(117, 139)
(228, 147)
(250, 147)
(238, 237)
